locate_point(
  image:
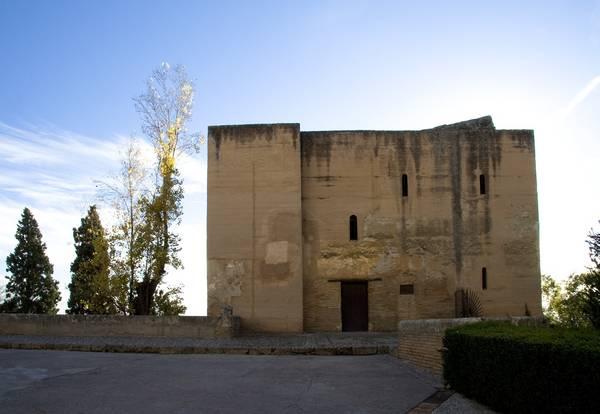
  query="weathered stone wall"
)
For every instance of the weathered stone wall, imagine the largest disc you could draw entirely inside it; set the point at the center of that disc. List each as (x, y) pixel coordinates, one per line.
(421, 341)
(254, 225)
(279, 203)
(112, 325)
(438, 237)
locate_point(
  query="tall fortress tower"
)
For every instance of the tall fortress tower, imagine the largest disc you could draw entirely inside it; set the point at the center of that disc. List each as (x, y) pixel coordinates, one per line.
(357, 230)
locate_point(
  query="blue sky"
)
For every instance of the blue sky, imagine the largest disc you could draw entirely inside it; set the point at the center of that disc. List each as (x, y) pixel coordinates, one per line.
(68, 71)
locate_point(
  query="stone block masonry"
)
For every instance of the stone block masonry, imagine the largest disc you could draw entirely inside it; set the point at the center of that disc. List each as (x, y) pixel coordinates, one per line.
(327, 231)
(254, 225)
(291, 344)
(117, 325)
(420, 341)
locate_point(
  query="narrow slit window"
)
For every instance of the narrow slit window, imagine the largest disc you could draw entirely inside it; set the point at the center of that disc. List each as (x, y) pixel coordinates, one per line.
(407, 289)
(404, 185)
(353, 228)
(482, 189)
(483, 278)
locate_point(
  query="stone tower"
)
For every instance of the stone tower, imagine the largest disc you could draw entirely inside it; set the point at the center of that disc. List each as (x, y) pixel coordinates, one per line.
(356, 230)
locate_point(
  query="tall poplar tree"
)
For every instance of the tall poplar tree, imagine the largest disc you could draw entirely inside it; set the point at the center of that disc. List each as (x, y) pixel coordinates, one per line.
(30, 287)
(124, 194)
(90, 288)
(165, 108)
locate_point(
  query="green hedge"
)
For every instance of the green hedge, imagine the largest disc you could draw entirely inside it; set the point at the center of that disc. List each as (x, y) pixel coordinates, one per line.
(519, 369)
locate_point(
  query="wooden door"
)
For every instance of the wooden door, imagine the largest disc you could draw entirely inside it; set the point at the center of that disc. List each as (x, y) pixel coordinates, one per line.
(355, 306)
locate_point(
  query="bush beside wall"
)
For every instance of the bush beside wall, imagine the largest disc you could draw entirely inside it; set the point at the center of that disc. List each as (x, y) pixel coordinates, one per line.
(520, 369)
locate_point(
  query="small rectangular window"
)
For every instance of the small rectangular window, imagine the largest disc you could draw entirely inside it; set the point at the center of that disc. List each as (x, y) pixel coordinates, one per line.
(353, 227)
(407, 289)
(482, 189)
(483, 278)
(404, 185)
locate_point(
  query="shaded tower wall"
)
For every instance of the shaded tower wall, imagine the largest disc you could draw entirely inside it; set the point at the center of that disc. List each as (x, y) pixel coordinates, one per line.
(437, 238)
(254, 231)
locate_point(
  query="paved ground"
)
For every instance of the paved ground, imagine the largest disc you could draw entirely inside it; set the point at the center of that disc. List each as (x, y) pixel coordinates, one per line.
(347, 343)
(83, 382)
(457, 404)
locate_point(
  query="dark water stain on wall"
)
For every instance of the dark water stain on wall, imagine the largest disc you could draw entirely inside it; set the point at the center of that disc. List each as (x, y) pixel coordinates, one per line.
(469, 148)
(460, 152)
(455, 171)
(397, 165)
(311, 240)
(284, 226)
(415, 148)
(398, 143)
(394, 180)
(316, 146)
(484, 155)
(246, 134)
(274, 272)
(439, 151)
(416, 139)
(521, 138)
(326, 178)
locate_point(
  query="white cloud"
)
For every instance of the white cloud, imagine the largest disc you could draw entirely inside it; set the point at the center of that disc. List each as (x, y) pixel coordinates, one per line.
(52, 145)
(581, 96)
(193, 171)
(54, 172)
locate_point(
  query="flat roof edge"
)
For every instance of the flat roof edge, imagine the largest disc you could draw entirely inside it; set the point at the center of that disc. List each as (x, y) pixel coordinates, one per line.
(476, 123)
(521, 130)
(484, 122)
(288, 124)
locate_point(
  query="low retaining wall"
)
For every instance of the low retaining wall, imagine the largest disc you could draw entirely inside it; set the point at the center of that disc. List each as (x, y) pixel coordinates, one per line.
(420, 341)
(117, 325)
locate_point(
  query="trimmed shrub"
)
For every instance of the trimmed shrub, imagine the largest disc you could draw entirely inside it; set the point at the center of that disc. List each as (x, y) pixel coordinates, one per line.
(520, 369)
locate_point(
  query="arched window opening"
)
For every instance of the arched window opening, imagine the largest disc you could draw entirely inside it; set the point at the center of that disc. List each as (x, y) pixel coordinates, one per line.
(482, 189)
(353, 228)
(483, 278)
(404, 185)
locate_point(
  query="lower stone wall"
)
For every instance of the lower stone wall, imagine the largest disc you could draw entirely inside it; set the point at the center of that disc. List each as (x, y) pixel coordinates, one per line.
(420, 341)
(224, 326)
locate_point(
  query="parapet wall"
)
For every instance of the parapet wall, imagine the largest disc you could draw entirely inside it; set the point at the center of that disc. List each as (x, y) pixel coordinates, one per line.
(420, 341)
(117, 325)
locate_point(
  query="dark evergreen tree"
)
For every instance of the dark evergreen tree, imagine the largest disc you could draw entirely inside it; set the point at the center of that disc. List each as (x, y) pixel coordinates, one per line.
(90, 287)
(30, 288)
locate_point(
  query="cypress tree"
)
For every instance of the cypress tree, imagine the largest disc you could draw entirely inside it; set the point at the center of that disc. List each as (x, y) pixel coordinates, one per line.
(90, 287)
(30, 288)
